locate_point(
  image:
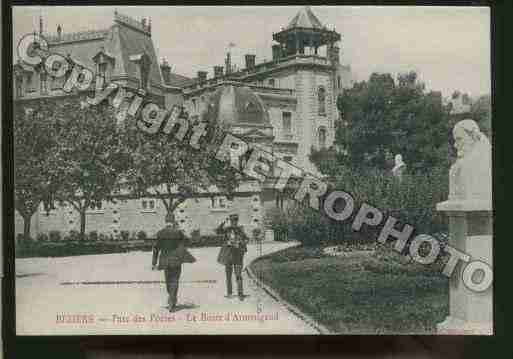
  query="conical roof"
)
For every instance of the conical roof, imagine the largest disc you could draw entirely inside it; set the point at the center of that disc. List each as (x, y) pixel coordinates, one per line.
(305, 18)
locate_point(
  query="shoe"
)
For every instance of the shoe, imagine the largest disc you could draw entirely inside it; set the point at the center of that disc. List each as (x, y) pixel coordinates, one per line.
(172, 308)
(241, 297)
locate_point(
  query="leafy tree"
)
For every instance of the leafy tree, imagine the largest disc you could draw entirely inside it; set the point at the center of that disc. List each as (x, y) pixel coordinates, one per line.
(91, 157)
(34, 143)
(173, 171)
(481, 112)
(383, 117)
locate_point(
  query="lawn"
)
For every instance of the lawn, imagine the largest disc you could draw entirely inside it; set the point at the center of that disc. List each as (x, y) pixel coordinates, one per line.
(360, 294)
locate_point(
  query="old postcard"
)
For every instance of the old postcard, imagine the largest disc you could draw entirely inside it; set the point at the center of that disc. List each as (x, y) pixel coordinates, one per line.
(252, 170)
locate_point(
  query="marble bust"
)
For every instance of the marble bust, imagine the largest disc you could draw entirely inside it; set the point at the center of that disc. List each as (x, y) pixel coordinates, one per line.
(399, 166)
(470, 177)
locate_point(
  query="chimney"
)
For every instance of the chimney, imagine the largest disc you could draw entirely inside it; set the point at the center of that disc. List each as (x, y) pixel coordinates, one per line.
(250, 61)
(218, 71)
(228, 64)
(276, 52)
(202, 76)
(59, 32)
(166, 71)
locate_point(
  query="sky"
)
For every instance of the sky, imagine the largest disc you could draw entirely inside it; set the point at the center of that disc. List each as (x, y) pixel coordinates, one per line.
(449, 47)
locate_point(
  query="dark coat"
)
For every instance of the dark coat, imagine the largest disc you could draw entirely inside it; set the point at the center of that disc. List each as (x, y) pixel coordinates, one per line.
(234, 247)
(171, 245)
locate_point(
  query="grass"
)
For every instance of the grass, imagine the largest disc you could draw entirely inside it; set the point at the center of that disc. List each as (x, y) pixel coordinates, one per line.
(357, 295)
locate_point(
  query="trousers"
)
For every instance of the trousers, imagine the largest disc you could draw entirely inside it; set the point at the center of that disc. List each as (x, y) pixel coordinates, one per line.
(172, 275)
(230, 268)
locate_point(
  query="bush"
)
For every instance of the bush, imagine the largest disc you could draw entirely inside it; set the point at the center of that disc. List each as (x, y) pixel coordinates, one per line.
(125, 235)
(72, 236)
(195, 235)
(93, 236)
(42, 237)
(103, 237)
(412, 200)
(55, 236)
(142, 236)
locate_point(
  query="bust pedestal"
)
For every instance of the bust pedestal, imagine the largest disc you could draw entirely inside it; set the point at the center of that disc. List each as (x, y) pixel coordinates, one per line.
(470, 231)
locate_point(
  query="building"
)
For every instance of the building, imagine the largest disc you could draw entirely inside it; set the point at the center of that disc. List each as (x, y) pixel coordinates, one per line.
(296, 92)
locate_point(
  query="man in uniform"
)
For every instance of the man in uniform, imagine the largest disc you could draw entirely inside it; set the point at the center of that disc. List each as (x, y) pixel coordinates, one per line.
(232, 253)
(171, 243)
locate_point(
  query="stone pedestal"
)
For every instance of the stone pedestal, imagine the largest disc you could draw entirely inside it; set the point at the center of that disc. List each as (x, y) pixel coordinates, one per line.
(471, 232)
(469, 209)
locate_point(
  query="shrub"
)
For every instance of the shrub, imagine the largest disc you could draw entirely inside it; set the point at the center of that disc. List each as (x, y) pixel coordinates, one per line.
(42, 237)
(124, 235)
(74, 235)
(195, 235)
(19, 238)
(142, 236)
(55, 236)
(93, 236)
(103, 237)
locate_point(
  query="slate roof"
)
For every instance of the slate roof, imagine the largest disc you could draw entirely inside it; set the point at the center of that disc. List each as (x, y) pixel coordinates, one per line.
(305, 18)
(119, 41)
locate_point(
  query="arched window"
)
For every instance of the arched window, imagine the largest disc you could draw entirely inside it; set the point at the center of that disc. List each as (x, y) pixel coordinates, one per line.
(321, 97)
(322, 137)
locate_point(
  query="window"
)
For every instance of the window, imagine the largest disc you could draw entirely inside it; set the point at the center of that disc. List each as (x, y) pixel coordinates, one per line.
(19, 86)
(95, 207)
(30, 82)
(322, 137)
(339, 82)
(271, 83)
(287, 123)
(102, 69)
(43, 83)
(193, 105)
(321, 97)
(148, 205)
(219, 203)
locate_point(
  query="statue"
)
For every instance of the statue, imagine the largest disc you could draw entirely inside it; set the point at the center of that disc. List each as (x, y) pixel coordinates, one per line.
(399, 167)
(470, 177)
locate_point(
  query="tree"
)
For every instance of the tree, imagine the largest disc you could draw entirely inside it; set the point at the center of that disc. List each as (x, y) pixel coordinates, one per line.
(481, 112)
(173, 171)
(383, 117)
(91, 157)
(34, 144)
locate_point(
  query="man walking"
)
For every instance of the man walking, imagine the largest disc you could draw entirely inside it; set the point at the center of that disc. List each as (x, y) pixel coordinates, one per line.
(171, 243)
(232, 253)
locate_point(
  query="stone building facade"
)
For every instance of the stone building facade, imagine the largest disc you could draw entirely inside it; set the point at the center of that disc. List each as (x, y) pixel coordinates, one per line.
(296, 91)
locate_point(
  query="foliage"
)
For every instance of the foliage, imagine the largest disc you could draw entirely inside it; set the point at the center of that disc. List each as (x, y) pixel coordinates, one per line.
(91, 156)
(172, 170)
(55, 236)
(34, 143)
(142, 236)
(93, 236)
(481, 112)
(351, 296)
(125, 235)
(42, 237)
(412, 200)
(383, 117)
